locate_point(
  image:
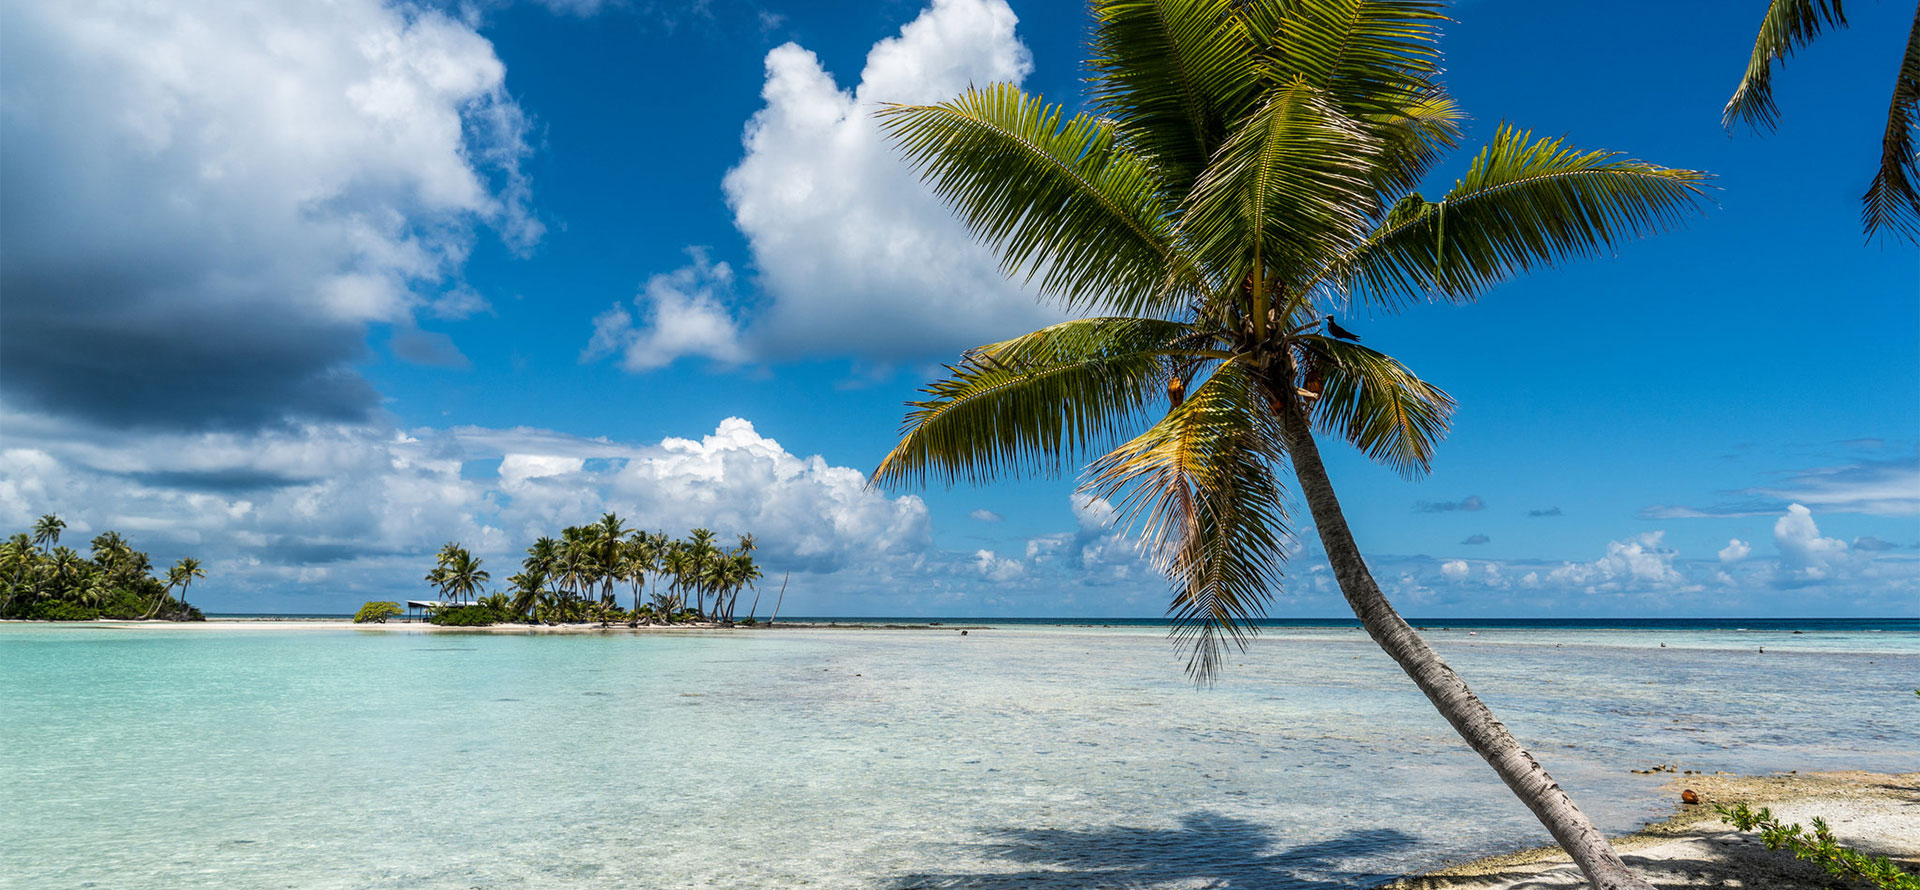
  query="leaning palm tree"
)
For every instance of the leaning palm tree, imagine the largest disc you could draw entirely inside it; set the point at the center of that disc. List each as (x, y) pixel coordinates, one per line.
(1248, 168)
(1892, 201)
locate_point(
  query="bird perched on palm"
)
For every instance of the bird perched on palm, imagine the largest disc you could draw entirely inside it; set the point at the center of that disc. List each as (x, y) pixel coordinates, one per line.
(1246, 166)
(1335, 330)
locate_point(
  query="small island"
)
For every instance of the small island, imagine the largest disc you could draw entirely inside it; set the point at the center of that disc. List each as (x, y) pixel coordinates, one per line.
(47, 581)
(579, 577)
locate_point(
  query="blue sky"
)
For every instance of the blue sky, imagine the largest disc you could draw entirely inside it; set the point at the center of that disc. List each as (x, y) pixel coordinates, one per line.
(307, 292)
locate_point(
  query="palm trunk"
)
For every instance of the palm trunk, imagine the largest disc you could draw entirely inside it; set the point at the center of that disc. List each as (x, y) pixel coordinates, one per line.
(1469, 715)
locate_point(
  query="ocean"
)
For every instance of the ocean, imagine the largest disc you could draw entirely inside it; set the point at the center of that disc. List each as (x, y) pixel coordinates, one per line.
(1018, 755)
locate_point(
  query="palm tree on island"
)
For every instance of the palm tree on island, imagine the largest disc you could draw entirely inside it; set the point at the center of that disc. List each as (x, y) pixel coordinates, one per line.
(46, 531)
(1246, 170)
(458, 574)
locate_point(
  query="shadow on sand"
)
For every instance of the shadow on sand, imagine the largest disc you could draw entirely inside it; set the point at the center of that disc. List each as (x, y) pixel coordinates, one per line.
(1207, 850)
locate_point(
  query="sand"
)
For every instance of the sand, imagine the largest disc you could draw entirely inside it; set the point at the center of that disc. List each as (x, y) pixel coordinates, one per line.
(1871, 812)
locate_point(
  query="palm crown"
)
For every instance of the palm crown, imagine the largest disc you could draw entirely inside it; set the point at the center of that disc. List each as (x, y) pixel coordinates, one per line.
(1246, 168)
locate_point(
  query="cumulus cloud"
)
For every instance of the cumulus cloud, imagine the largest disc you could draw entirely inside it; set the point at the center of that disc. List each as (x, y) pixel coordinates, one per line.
(1636, 564)
(1804, 554)
(1735, 551)
(682, 313)
(204, 206)
(1469, 504)
(364, 502)
(1454, 569)
(853, 254)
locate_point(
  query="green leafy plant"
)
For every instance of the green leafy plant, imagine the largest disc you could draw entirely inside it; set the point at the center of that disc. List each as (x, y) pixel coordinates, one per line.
(1819, 847)
(463, 616)
(376, 613)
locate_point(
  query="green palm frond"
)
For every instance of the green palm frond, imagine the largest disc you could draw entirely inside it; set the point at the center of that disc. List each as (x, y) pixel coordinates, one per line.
(1201, 484)
(1287, 188)
(1060, 201)
(1360, 53)
(1034, 404)
(1418, 133)
(1377, 404)
(1175, 75)
(1893, 200)
(1523, 203)
(1787, 26)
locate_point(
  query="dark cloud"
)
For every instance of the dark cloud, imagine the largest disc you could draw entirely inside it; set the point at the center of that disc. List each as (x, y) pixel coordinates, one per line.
(1469, 504)
(175, 253)
(1872, 544)
(1476, 539)
(1550, 511)
(239, 480)
(107, 348)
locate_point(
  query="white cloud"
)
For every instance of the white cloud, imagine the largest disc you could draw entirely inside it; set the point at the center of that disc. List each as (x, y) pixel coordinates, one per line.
(1638, 563)
(217, 199)
(683, 313)
(1885, 487)
(1804, 554)
(853, 254)
(1735, 551)
(997, 568)
(985, 515)
(1454, 569)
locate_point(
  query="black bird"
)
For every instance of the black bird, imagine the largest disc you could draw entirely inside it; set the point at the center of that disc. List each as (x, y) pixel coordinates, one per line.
(1340, 332)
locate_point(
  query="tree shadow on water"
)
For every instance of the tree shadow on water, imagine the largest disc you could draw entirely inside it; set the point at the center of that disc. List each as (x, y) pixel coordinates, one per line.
(1208, 850)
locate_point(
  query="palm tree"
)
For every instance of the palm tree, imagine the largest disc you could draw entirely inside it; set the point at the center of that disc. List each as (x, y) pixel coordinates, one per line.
(464, 576)
(1248, 168)
(609, 542)
(46, 532)
(17, 558)
(182, 575)
(1892, 201)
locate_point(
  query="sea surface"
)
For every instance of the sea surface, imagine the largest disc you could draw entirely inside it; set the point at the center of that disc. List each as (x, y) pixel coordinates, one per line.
(1018, 755)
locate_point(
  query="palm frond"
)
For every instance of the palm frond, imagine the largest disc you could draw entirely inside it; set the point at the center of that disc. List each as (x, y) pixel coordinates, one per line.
(1420, 130)
(1060, 200)
(1176, 75)
(1213, 517)
(1361, 54)
(1377, 404)
(1034, 404)
(1892, 202)
(1523, 203)
(1787, 26)
(1290, 186)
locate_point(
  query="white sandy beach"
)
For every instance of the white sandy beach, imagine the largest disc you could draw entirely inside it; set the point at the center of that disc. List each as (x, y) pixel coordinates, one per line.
(1874, 813)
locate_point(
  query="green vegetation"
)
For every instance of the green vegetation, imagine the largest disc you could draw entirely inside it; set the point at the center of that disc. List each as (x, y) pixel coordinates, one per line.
(465, 616)
(44, 581)
(376, 612)
(576, 577)
(1819, 848)
(1246, 170)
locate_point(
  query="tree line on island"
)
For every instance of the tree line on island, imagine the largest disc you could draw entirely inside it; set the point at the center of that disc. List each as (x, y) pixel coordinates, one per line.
(580, 576)
(44, 580)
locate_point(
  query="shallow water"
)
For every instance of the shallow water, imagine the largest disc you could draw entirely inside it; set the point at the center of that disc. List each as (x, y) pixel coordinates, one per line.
(1030, 757)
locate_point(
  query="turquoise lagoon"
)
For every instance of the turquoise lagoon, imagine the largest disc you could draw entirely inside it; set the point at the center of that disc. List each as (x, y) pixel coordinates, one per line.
(1019, 756)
